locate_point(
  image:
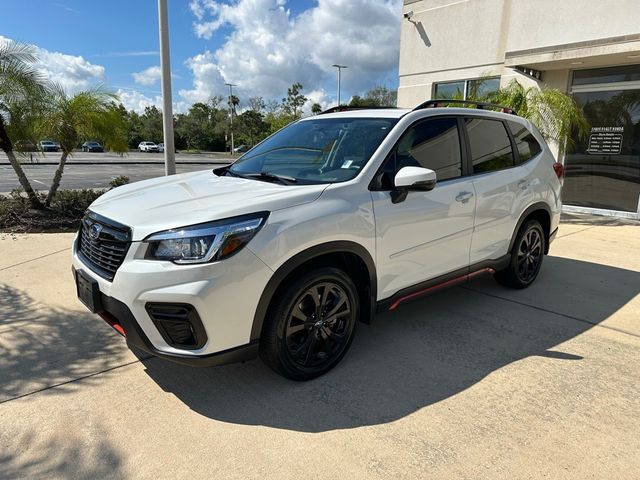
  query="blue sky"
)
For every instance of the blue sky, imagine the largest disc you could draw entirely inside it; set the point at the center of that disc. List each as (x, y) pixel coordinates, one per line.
(261, 45)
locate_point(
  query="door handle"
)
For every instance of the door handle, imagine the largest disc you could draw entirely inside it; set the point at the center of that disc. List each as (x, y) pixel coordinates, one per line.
(464, 197)
(523, 184)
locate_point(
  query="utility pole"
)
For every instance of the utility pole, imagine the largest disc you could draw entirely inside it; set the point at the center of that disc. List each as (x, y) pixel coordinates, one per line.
(167, 109)
(339, 67)
(231, 85)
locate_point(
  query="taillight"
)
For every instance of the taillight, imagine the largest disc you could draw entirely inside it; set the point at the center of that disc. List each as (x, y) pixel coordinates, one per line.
(559, 169)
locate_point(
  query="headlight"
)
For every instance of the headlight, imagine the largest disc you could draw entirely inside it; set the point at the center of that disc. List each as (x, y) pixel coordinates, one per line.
(205, 242)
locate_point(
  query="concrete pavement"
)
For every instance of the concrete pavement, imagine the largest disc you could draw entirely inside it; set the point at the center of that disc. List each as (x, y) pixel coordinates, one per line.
(473, 382)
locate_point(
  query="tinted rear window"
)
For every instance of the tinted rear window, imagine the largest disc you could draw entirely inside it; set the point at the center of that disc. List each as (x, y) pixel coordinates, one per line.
(528, 146)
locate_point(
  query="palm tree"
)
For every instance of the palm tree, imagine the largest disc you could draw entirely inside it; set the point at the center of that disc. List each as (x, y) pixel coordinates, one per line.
(556, 114)
(70, 119)
(21, 90)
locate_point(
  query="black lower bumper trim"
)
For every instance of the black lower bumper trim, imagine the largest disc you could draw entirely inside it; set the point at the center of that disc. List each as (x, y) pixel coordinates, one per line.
(118, 313)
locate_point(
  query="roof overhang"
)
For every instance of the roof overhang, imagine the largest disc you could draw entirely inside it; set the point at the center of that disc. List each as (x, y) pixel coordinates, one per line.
(601, 52)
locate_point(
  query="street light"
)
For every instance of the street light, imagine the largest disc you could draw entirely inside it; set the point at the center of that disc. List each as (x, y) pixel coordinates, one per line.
(339, 67)
(231, 85)
(167, 111)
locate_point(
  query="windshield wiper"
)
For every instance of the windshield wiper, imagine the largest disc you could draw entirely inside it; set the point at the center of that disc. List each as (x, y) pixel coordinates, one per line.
(268, 176)
(284, 179)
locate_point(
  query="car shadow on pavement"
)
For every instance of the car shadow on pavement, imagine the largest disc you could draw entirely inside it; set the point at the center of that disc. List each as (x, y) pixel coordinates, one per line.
(41, 346)
(424, 352)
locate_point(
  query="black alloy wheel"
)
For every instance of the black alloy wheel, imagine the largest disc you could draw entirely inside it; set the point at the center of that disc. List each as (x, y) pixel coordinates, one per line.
(312, 326)
(529, 255)
(526, 257)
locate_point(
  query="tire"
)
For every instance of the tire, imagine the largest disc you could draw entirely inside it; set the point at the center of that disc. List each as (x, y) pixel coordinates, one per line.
(302, 338)
(526, 257)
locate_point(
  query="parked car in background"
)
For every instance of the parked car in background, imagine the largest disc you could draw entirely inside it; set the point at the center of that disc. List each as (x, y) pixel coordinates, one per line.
(49, 146)
(147, 147)
(328, 221)
(241, 149)
(25, 146)
(92, 146)
(161, 147)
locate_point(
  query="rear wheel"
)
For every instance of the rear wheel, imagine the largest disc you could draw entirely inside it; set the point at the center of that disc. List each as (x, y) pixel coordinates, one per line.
(312, 325)
(526, 257)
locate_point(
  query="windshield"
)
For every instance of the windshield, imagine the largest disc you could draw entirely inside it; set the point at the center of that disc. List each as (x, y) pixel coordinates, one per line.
(317, 151)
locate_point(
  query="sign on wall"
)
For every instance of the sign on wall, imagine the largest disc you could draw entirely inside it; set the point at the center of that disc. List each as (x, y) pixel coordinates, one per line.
(605, 140)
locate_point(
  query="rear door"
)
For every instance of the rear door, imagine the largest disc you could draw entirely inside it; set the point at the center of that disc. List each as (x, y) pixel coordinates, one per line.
(429, 233)
(502, 185)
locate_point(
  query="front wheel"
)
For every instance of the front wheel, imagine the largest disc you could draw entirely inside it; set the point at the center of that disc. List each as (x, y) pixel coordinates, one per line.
(311, 327)
(526, 257)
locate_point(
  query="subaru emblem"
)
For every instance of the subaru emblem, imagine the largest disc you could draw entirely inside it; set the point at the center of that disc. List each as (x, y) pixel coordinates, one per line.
(94, 231)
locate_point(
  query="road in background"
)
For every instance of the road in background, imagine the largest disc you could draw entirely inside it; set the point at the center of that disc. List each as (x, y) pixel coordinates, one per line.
(96, 170)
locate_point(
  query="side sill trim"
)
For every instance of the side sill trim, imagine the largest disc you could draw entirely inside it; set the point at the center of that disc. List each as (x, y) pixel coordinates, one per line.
(450, 279)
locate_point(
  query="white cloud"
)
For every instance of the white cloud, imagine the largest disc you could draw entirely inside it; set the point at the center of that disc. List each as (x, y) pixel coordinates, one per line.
(137, 101)
(72, 72)
(148, 76)
(269, 48)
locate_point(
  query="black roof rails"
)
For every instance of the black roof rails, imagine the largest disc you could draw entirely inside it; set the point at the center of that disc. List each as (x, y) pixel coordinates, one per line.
(347, 108)
(441, 102)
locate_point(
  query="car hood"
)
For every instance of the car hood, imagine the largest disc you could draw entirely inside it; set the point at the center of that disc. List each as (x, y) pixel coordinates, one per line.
(175, 201)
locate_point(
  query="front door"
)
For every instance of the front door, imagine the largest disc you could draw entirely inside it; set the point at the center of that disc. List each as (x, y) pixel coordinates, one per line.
(429, 233)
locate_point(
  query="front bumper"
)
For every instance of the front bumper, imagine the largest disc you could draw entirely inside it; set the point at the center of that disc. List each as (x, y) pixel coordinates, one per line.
(225, 295)
(118, 315)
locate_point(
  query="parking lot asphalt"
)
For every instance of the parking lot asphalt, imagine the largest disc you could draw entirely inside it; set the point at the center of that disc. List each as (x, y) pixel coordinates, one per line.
(473, 382)
(96, 170)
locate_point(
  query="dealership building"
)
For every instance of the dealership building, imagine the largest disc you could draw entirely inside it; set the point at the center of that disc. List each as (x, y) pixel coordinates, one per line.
(588, 49)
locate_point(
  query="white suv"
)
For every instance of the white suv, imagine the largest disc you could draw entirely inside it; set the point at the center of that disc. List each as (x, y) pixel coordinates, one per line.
(148, 147)
(330, 220)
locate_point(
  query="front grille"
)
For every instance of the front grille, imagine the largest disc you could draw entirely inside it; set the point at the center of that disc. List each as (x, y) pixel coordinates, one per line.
(103, 244)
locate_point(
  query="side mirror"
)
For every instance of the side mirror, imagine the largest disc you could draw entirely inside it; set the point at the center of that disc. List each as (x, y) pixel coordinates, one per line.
(412, 178)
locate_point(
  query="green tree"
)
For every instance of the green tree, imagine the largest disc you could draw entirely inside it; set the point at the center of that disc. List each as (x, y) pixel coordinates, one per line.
(316, 108)
(555, 113)
(151, 125)
(72, 119)
(251, 125)
(257, 104)
(294, 101)
(233, 102)
(21, 91)
(376, 97)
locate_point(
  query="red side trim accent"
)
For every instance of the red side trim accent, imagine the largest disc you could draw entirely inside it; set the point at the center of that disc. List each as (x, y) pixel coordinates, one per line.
(448, 283)
(113, 322)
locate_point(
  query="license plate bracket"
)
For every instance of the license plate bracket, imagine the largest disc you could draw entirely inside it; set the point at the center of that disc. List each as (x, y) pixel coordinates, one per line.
(88, 292)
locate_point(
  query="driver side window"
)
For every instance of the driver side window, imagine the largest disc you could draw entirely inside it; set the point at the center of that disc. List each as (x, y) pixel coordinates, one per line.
(431, 143)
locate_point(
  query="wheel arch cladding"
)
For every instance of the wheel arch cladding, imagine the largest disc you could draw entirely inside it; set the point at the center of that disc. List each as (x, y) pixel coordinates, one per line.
(351, 257)
(538, 211)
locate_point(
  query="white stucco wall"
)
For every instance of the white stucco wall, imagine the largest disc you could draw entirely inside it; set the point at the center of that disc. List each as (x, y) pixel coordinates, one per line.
(463, 39)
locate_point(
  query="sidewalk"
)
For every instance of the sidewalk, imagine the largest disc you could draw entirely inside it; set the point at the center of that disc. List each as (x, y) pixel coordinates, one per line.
(473, 382)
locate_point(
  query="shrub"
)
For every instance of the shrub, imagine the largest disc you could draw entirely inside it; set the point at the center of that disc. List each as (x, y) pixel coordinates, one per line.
(72, 203)
(119, 181)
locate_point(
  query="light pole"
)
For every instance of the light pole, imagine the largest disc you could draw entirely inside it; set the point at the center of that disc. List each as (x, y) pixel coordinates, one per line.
(231, 85)
(339, 67)
(167, 110)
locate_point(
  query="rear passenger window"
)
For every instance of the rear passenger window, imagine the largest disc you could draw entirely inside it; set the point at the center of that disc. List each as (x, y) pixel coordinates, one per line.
(490, 145)
(433, 144)
(528, 147)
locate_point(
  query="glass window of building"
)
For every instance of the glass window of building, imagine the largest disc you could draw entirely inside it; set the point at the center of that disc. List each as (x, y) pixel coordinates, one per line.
(466, 89)
(602, 170)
